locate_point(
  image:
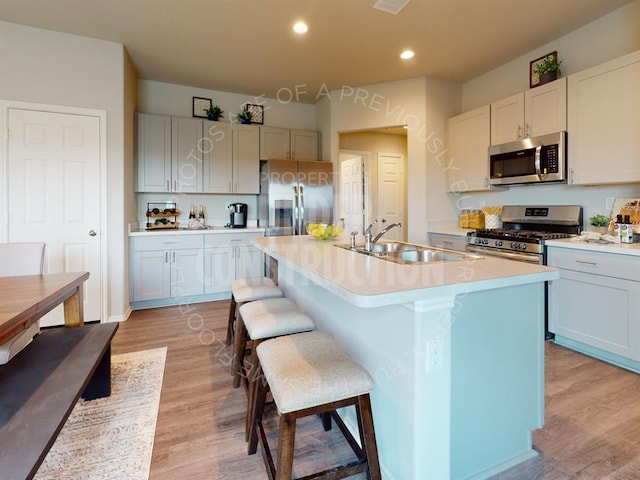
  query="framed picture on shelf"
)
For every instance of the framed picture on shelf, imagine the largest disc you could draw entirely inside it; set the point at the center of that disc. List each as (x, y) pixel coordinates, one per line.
(534, 78)
(200, 106)
(257, 113)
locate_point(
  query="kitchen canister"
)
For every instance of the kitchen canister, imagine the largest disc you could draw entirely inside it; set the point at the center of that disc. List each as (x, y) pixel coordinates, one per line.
(492, 220)
(476, 219)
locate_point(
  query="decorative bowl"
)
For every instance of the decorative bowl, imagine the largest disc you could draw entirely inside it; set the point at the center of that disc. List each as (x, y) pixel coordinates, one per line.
(323, 231)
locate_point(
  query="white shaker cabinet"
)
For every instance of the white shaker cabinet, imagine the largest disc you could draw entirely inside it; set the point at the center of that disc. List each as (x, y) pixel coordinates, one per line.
(229, 256)
(467, 164)
(594, 305)
(166, 266)
(531, 113)
(169, 154)
(231, 158)
(218, 157)
(448, 241)
(288, 144)
(246, 159)
(604, 124)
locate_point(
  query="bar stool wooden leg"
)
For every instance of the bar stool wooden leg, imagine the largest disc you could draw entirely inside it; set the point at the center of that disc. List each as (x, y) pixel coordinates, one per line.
(259, 399)
(233, 307)
(238, 351)
(286, 441)
(368, 435)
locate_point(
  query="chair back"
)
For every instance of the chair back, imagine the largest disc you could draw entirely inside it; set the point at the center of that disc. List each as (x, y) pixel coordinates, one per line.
(21, 258)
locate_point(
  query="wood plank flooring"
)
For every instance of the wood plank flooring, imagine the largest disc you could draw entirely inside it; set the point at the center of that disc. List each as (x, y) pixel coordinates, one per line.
(592, 427)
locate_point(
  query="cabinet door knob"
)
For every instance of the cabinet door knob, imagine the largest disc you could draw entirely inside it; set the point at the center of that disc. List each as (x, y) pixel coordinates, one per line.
(92, 233)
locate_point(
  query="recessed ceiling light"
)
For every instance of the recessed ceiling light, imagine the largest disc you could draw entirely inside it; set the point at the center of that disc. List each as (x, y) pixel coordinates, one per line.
(300, 27)
(407, 54)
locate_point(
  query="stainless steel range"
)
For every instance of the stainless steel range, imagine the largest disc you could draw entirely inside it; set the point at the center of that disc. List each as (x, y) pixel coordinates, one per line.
(524, 231)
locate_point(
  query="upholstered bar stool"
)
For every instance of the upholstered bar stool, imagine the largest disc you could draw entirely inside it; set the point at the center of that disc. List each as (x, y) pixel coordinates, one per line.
(263, 319)
(307, 374)
(248, 290)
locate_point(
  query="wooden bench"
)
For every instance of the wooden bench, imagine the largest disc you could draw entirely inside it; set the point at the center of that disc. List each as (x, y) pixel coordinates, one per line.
(40, 386)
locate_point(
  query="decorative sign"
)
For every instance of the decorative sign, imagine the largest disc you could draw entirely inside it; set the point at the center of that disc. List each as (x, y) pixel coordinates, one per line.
(257, 113)
(200, 106)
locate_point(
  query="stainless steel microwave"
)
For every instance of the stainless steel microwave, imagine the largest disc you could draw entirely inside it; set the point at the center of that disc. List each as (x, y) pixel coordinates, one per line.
(531, 160)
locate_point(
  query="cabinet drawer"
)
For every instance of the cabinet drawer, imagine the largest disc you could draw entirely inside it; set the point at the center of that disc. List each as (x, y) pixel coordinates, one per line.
(229, 239)
(167, 242)
(607, 264)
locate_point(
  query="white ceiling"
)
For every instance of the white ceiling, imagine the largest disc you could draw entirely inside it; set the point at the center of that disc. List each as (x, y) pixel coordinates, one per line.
(247, 46)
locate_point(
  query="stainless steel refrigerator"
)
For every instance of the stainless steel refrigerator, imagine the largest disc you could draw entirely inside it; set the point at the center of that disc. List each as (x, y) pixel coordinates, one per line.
(293, 194)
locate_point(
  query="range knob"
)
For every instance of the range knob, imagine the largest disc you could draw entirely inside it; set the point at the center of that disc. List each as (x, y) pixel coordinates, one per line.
(523, 246)
(498, 243)
(514, 245)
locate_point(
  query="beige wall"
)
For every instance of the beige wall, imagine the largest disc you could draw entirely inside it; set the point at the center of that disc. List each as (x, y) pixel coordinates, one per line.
(51, 68)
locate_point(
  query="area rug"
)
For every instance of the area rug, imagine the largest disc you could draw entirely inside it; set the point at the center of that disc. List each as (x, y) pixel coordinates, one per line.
(112, 438)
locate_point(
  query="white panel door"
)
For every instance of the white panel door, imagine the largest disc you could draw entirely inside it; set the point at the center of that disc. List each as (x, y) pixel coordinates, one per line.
(53, 170)
(352, 192)
(391, 193)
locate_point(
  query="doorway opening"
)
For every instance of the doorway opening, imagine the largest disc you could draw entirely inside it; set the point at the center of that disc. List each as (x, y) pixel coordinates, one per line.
(372, 180)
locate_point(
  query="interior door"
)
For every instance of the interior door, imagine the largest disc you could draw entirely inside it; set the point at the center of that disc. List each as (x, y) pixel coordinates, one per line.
(352, 192)
(391, 193)
(53, 170)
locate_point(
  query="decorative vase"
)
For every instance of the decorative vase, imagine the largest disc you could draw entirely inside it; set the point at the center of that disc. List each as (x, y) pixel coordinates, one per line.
(548, 77)
(213, 117)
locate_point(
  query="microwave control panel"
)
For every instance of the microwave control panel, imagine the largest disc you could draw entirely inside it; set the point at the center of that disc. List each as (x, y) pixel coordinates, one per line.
(549, 159)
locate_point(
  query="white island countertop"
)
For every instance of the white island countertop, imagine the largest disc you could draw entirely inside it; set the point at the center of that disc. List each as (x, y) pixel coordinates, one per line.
(367, 281)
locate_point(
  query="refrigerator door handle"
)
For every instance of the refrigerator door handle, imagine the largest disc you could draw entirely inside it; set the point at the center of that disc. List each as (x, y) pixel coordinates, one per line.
(296, 213)
(301, 216)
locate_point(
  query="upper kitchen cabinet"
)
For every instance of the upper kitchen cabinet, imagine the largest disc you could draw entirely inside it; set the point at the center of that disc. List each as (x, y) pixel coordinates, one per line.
(603, 123)
(232, 158)
(535, 112)
(468, 145)
(246, 159)
(169, 154)
(218, 158)
(286, 144)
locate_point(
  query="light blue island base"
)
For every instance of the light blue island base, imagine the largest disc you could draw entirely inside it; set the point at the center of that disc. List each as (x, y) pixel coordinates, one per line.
(459, 378)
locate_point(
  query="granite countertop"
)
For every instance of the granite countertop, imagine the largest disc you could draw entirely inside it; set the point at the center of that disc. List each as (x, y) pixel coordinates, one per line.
(618, 248)
(367, 281)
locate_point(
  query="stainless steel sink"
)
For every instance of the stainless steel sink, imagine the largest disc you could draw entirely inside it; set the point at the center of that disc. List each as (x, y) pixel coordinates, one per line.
(411, 254)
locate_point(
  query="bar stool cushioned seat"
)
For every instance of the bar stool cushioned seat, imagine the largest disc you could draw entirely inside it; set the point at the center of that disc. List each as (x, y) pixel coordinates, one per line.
(273, 317)
(248, 290)
(308, 373)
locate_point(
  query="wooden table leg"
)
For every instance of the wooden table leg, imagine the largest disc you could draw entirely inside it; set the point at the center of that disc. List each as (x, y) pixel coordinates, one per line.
(73, 310)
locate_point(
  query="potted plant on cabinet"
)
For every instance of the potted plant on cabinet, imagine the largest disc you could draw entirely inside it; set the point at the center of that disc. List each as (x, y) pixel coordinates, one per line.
(214, 112)
(548, 69)
(244, 116)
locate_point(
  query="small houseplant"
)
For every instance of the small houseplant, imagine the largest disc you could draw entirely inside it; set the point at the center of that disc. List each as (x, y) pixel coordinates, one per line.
(600, 222)
(214, 112)
(244, 116)
(548, 69)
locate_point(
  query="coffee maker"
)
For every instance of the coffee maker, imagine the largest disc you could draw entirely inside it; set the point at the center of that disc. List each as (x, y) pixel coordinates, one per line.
(238, 215)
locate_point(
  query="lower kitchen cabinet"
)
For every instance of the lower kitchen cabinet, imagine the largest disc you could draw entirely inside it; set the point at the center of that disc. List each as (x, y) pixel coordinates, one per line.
(166, 266)
(227, 257)
(594, 305)
(449, 241)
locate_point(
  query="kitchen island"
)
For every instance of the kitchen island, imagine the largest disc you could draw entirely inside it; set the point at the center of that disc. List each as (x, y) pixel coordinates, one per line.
(456, 350)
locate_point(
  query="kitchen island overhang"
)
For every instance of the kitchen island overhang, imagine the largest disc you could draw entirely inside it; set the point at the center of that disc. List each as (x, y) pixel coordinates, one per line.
(456, 350)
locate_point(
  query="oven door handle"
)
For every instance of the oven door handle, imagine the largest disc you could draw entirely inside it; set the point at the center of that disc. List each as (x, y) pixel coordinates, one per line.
(520, 257)
(537, 163)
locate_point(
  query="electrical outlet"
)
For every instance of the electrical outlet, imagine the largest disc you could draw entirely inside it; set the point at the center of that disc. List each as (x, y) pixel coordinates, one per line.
(434, 355)
(608, 203)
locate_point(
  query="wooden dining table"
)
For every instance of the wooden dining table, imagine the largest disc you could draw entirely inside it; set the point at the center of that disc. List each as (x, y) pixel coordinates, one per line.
(25, 299)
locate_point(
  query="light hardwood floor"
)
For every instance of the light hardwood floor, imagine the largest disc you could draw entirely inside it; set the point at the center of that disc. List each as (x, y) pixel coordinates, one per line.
(592, 426)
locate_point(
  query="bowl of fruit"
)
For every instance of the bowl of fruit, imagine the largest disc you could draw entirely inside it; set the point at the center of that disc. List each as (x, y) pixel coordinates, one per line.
(323, 231)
